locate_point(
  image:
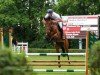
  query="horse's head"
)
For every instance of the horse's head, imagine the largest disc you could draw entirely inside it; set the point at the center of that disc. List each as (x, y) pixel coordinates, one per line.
(52, 32)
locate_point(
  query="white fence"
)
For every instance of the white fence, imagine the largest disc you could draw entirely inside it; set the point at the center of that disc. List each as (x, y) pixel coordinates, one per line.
(21, 47)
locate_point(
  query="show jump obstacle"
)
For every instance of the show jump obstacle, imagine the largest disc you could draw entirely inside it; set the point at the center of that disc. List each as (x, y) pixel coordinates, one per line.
(24, 47)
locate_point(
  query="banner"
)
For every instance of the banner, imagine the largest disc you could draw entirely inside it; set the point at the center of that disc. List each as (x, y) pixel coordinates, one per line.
(75, 27)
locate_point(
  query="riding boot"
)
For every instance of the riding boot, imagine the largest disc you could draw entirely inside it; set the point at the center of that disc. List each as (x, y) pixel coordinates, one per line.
(61, 30)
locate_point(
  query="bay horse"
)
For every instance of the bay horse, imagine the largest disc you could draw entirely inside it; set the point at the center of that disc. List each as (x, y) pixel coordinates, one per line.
(54, 35)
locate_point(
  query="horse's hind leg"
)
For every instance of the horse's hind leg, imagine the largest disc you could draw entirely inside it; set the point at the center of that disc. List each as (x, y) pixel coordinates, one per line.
(68, 57)
(57, 50)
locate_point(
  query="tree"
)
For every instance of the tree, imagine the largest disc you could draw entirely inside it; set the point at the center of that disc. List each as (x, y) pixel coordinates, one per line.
(94, 59)
(78, 7)
(23, 15)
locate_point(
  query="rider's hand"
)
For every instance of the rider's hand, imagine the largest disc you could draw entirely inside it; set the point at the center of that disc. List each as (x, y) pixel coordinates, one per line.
(64, 21)
(54, 21)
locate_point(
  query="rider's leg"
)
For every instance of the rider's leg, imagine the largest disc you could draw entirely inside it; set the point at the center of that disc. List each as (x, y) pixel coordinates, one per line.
(60, 29)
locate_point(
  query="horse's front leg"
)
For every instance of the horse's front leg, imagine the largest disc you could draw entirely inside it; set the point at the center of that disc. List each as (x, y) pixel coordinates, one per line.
(57, 50)
(66, 45)
(68, 57)
(59, 65)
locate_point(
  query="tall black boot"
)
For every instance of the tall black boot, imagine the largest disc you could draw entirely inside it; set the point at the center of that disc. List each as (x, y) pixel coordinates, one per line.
(61, 30)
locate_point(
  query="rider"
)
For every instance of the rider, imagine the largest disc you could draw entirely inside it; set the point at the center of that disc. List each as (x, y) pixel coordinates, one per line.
(56, 17)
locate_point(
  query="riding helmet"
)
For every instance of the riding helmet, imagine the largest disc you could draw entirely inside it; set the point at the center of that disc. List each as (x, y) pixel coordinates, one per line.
(49, 11)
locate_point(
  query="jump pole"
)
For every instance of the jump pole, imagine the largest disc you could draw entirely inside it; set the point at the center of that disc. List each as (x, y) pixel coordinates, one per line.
(58, 70)
(49, 64)
(56, 54)
(57, 61)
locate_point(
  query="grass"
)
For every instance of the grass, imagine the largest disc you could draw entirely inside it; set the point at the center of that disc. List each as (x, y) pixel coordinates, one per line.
(60, 73)
(30, 58)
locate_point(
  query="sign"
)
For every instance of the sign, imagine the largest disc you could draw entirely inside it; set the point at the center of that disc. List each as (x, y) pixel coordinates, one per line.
(81, 20)
(75, 27)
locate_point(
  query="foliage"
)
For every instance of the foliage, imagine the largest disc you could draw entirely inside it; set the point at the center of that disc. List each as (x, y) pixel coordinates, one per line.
(13, 64)
(78, 7)
(24, 16)
(94, 59)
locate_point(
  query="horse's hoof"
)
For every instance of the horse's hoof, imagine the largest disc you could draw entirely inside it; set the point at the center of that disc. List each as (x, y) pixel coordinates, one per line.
(69, 62)
(59, 66)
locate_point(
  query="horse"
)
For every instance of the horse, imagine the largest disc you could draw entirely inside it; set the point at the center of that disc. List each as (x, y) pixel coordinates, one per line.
(53, 34)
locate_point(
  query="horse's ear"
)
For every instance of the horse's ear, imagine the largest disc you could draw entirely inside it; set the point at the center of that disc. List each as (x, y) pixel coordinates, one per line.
(44, 22)
(44, 18)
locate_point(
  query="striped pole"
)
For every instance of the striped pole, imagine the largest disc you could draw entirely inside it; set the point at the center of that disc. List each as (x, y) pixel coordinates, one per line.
(58, 70)
(54, 54)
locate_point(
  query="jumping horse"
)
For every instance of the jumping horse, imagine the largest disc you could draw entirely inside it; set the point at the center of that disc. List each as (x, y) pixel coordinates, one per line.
(53, 34)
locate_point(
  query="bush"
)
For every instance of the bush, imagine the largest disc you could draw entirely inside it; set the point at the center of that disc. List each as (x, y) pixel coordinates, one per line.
(94, 59)
(13, 64)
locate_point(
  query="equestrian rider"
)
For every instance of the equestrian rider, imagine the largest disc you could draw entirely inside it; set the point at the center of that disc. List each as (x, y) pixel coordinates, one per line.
(56, 17)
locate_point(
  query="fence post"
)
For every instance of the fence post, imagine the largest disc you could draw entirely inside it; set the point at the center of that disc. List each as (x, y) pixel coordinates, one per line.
(80, 43)
(10, 38)
(1, 37)
(87, 41)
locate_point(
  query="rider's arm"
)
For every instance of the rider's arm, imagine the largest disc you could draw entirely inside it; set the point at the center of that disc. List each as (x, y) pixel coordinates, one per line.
(58, 18)
(46, 16)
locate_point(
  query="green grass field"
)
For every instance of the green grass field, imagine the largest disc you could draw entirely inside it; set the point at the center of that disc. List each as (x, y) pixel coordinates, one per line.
(30, 58)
